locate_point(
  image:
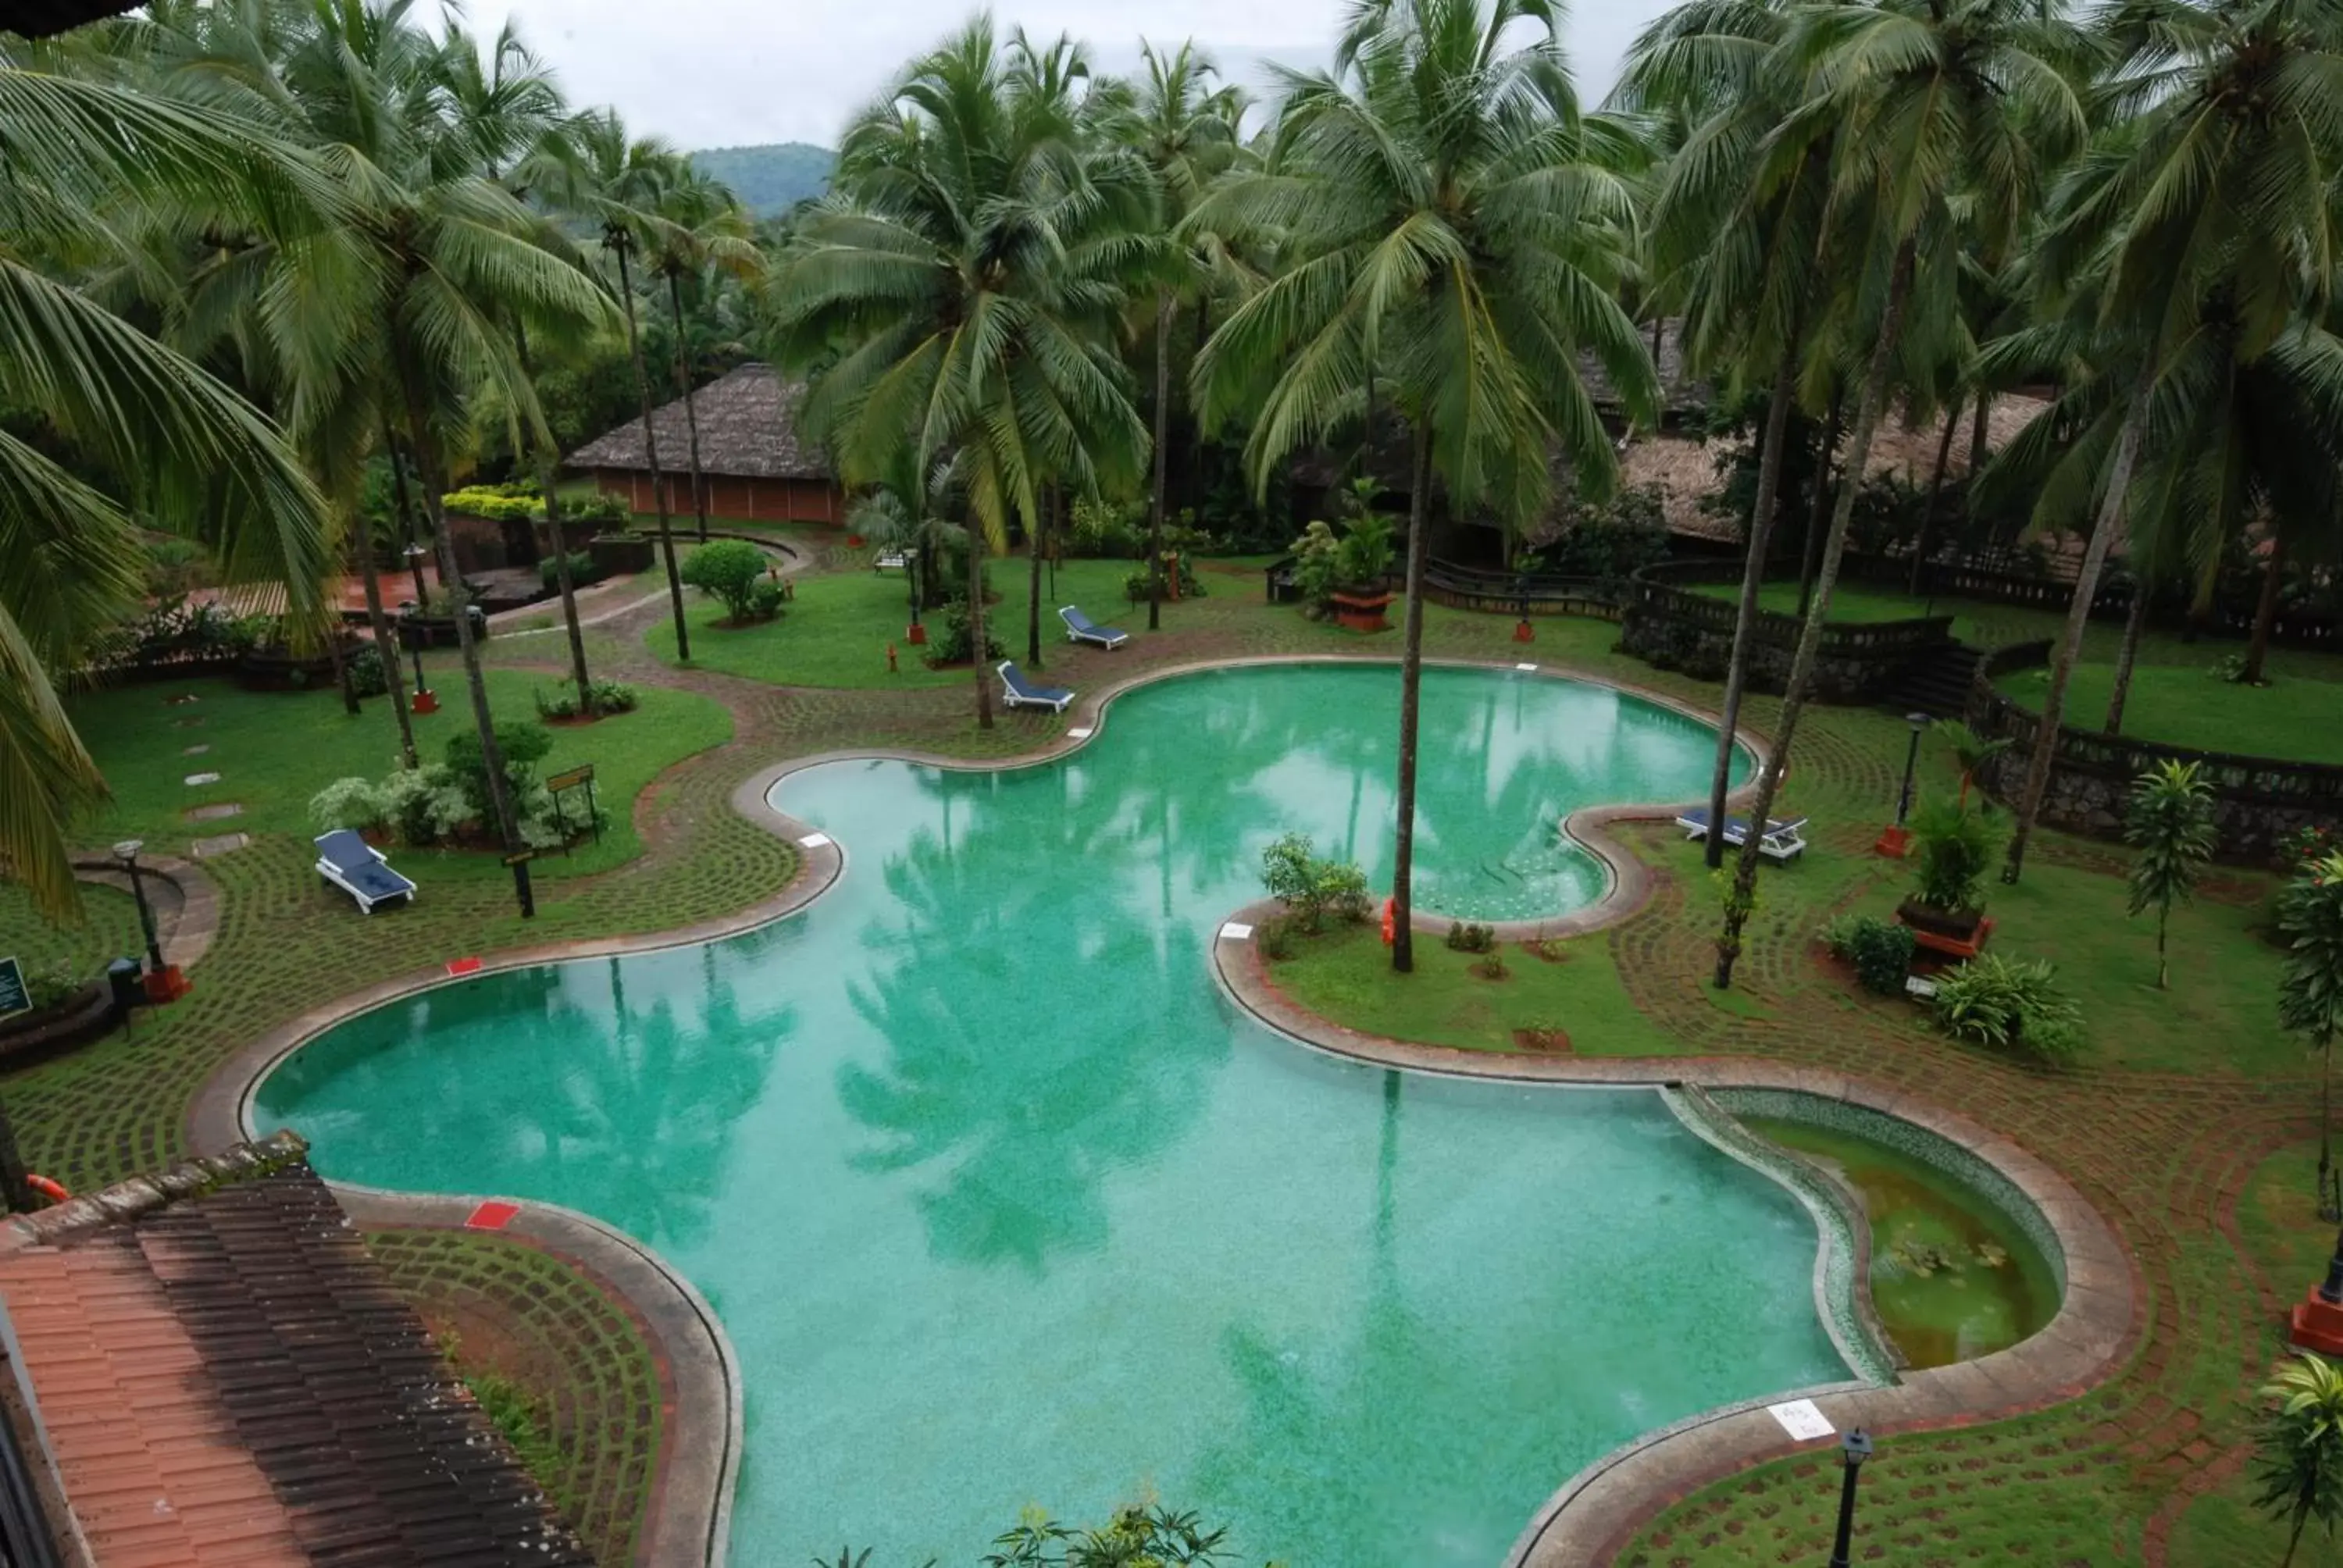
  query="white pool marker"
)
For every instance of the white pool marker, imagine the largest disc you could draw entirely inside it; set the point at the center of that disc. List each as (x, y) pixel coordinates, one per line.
(1081, 734)
(1531, 667)
(1800, 1420)
(202, 778)
(1236, 932)
(814, 841)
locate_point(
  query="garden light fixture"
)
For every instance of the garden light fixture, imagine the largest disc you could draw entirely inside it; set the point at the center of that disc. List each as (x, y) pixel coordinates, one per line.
(1855, 1448)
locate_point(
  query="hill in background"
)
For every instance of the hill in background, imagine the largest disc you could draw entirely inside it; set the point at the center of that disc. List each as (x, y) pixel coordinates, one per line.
(772, 178)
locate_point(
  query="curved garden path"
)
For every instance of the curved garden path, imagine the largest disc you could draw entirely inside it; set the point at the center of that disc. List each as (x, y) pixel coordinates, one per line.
(2162, 1156)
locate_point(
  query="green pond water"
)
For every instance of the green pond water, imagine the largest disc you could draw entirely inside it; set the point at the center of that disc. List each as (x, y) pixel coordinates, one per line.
(1002, 1203)
(1952, 1275)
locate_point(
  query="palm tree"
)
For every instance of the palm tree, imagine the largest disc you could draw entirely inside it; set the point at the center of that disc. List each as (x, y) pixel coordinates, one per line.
(2299, 1456)
(957, 293)
(2210, 220)
(1915, 95)
(1454, 229)
(505, 108)
(596, 170)
(1735, 250)
(1186, 130)
(695, 225)
(192, 456)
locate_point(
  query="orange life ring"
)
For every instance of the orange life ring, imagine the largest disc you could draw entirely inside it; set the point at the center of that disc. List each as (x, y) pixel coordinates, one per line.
(54, 1192)
(1390, 921)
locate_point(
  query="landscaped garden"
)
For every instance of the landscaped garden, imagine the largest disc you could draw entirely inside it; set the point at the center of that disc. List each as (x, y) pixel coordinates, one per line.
(1445, 1076)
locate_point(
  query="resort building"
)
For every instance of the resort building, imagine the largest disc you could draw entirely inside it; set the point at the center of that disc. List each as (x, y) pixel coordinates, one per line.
(755, 467)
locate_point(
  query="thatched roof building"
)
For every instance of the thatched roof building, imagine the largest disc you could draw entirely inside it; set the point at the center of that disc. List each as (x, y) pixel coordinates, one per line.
(756, 464)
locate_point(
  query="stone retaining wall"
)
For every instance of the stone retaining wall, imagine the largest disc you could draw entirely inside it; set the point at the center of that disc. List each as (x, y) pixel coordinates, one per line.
(1669, 627)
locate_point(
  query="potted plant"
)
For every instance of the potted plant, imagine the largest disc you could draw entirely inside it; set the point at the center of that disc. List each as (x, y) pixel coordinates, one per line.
(1953, 846)
(1361, 591)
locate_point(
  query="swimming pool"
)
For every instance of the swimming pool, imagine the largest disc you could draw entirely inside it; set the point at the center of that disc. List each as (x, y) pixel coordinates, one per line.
(1002, 1203)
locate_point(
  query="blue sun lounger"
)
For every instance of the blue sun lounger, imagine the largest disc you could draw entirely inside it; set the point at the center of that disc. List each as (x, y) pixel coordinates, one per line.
(1079, 627)
(1018, 692)
(357, 868)
(1781, 842)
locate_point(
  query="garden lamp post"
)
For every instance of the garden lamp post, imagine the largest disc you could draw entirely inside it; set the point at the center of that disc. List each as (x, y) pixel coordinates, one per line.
(127, 852)
(1895, 837)
(1854, 1448)
(163, 982)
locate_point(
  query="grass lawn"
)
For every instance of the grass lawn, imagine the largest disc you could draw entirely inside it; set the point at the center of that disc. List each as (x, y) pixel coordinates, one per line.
(1849, 601)
(1346, 975)
(2300, 715)
(273, 750)
(109, 929)
(835, 632)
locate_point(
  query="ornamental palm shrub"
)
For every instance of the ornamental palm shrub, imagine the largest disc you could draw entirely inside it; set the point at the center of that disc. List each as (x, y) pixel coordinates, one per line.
(1952, 848)
(2169, 817)
(2299, 1449)
(2311, 988)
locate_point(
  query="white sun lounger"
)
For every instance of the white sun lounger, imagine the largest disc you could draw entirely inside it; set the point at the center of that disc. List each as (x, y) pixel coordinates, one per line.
(1781, 842)
(1079, 627)
(357, 868)
(1018, 692)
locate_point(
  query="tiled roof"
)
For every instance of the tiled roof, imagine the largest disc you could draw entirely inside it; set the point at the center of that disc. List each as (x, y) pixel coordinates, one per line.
(748, 429)
(223, 1376)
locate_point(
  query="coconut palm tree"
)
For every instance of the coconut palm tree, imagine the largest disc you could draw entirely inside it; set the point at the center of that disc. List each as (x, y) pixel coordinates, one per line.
(695, 225)
(505, 106)
(957, 292)
(188, 454)
(1735, 250)
(594, 169)
(1185, 128)
(2210, 216)
(1453, 229)
(1945, 122)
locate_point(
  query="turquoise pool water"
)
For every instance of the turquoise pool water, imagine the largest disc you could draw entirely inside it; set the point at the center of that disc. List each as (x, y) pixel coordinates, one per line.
(1002, 1203)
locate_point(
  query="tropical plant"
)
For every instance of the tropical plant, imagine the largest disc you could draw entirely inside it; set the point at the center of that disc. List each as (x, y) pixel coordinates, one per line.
(191, 456)
(1363, 558)
(2298, 1448)
(957, 292)
(1952, 849)
(1880, 950)
(605, 698)
(1311, 888)
(1971, 751)
(2012, 1004)
(2310, 992)
(1453, 229)
(1135, 1537)
(2168, 817)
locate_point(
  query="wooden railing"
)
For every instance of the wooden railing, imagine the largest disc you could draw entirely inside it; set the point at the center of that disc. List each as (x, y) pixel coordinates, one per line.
(1518, 593)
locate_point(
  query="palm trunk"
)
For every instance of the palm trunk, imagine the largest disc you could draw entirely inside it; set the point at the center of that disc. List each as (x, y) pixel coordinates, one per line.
(1162, 429)
(405, 515)
(1742, 899)
(492, 757)
(2294, 1537)
(341, 664)
(690, 409)
(2127, 655)
(549, 472)
(650, 453)
(386, 645)
(2326, 1123)
(1936, 492)
(1819, 513)
(1033, 594)
(2078, 616)
(1980, 429)
(2265, 612)
(978, 658)
(1753, 580)
(1411, 694)
(2163, 969)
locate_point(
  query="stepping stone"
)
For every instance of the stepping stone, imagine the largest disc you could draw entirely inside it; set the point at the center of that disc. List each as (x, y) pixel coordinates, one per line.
(214, 813)
(187, 723)
(179, 698)
(195, 751)
(195, 779)
(224, 844)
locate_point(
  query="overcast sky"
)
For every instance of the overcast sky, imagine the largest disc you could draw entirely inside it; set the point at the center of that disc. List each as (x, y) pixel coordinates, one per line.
(723, 72)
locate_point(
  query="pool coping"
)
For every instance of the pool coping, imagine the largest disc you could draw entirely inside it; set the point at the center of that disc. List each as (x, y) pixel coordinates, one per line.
(699, 1461)
(2101, 1322)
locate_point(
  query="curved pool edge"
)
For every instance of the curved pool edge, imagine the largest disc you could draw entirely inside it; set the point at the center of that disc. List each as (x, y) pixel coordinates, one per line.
(706, 1435)
(2100, 1322)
